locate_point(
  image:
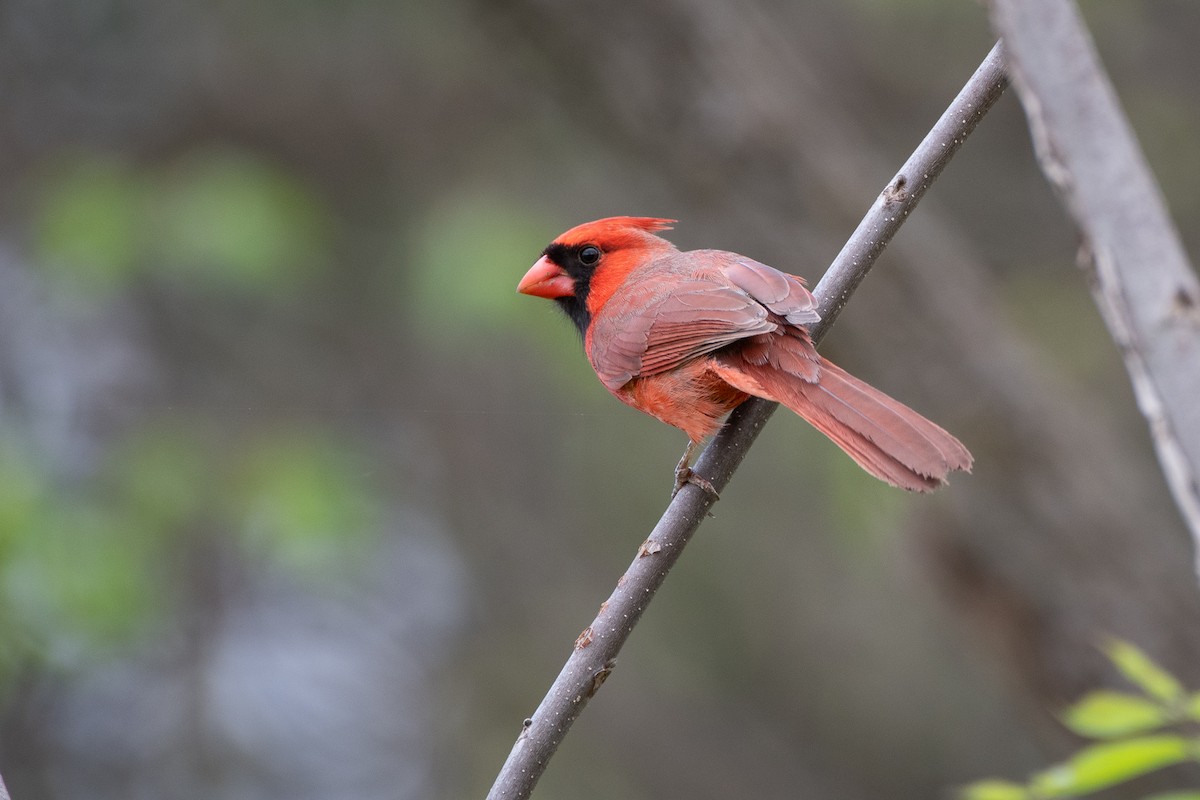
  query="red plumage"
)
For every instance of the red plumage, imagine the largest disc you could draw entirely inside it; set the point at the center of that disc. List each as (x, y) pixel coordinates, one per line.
(688, 336)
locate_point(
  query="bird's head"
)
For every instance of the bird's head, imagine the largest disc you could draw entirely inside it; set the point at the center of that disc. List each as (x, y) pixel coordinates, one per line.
(583, 267)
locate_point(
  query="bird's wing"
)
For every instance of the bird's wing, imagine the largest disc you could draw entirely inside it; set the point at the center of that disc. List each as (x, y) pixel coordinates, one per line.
(781, 293)
(699, 302)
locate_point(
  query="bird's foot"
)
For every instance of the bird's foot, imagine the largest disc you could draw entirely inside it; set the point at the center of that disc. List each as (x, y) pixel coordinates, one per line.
(685, 475)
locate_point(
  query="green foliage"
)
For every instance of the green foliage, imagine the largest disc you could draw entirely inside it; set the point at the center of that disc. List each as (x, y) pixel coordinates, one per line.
(217, 217)
(302, 500)
(1109, 763)
(1107, 714)
(74, 569)
(1139, 670)
(87, 577)
(86, 569)
(89, 227)
(1122, 720)
(226, 217)
(995, 790)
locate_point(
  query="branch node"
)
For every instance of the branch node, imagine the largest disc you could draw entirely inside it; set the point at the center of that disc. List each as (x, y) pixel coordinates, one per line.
(1185, 307)
(896, 191)
(649, 548)
(584, 638)
(600, 676)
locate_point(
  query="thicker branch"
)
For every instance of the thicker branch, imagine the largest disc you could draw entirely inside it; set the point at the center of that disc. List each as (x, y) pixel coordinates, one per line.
(1143, 284)
(596, 648)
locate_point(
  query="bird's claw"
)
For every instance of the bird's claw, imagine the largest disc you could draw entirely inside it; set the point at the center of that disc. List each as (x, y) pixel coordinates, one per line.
(686, 475)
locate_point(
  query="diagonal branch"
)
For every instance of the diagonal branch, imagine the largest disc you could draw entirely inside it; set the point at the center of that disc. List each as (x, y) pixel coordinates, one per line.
(596, 649)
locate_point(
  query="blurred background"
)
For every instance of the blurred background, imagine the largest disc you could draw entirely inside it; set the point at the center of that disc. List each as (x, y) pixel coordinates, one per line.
(299, 499)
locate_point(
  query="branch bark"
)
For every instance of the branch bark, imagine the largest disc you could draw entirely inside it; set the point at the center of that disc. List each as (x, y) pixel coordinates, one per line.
(594, 655)
(1142, 282)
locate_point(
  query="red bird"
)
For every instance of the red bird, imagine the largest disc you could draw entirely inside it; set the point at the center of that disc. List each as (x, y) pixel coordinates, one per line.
(688, 336)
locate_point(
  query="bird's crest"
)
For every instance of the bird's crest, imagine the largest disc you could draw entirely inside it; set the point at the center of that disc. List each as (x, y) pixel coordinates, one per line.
(610, 228)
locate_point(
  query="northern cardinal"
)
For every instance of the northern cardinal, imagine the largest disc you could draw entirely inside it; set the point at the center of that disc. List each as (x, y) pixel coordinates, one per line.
(688, 336)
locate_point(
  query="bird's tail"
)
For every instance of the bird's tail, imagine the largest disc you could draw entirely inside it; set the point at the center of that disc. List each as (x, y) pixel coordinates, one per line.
(887, 438)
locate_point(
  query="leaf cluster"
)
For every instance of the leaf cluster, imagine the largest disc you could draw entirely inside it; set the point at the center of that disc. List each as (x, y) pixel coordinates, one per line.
(1136, 732)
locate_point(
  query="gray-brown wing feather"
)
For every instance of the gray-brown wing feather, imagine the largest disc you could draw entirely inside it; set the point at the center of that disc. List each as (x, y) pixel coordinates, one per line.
(642, 331)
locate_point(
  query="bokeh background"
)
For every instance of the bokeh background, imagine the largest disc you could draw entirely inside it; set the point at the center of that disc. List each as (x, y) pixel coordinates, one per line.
(299, 499)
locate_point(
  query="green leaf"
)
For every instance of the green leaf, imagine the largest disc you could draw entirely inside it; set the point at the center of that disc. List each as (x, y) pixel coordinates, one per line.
(1107, 714)
(1137, 667)
(1104, 765)
(994, 790)
(1193, 706)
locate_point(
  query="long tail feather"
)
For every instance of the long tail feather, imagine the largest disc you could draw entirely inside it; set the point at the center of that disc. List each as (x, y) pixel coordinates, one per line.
(887, 438)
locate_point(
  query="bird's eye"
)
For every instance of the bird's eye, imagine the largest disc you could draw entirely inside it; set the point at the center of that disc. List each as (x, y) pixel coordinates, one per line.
(589, 255)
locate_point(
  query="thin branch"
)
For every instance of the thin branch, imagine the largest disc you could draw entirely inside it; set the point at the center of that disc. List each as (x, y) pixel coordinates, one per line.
(1143, 284)
(596, 648)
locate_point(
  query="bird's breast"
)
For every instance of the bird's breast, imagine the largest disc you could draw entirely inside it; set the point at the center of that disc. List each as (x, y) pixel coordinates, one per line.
(691, 397)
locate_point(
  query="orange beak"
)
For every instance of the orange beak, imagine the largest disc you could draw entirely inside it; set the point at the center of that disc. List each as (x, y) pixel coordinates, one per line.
(546, 279)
